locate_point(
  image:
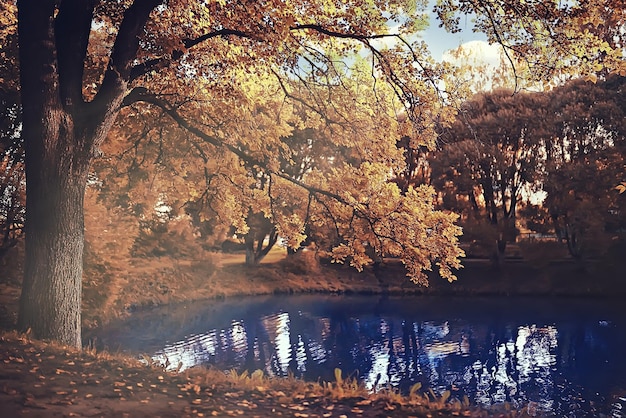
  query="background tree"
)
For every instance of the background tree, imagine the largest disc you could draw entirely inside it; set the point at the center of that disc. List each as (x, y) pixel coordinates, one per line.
(306, 150)
(12, 194)
(584, 160)
(491, 155)
(12, 182)
(417, 170)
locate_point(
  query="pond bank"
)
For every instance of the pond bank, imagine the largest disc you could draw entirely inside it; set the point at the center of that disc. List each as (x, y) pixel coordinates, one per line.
(302, 275)
(114, 288)
(477, 277)
(41, 379)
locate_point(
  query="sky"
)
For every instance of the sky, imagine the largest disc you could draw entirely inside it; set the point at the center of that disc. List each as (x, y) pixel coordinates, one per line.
(441, 41)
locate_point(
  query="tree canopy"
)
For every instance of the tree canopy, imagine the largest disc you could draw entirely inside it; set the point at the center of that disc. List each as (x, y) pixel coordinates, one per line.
(560, 152)
(227, 75)
(548, 41)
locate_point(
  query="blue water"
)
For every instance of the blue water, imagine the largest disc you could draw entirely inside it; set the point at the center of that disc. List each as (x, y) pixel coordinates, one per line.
(562, 357)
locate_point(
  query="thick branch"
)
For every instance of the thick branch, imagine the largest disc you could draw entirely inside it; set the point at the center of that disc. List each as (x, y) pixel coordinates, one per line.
(37, 80)
(72, 27)
(118, 73)
(162, 62)
(154, 64)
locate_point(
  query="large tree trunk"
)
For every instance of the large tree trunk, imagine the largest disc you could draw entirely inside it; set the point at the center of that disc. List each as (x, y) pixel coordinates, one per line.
(58, 152)
(61, 134)
(50, 304)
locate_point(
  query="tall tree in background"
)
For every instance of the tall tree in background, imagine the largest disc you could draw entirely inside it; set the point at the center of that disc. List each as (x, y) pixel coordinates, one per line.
(492, 153)
(567, 144)
(585, 153)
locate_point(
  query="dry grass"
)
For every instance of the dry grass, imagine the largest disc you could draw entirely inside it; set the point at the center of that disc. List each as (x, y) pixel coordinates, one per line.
(275, 255)
(54, 380)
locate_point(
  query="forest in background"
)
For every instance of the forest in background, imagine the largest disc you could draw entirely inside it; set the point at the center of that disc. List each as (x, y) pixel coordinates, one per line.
(537, 169)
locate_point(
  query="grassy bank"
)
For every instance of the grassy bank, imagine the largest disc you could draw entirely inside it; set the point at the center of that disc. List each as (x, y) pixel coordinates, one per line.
(114, 287)
(165, 280)
(42, 379)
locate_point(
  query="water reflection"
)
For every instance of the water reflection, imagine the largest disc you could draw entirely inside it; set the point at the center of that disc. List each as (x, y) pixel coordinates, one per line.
(551, 358)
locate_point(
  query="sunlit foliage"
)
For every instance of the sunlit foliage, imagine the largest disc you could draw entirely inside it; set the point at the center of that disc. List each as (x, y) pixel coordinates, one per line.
(548, 40)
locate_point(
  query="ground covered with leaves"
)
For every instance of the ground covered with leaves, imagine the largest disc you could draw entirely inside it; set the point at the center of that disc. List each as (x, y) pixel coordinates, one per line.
(39, 379)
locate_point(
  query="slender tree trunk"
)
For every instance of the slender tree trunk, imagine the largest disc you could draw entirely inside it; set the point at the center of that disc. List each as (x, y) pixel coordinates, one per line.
(251, 259)
(255, 251)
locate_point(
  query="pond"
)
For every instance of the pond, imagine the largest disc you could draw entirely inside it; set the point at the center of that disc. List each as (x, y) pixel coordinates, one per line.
(560, 356)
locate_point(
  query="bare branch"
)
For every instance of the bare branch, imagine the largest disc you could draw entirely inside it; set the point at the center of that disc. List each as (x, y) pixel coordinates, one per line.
(224, 33)
(505, 47)
(301, 101)
(343, 35)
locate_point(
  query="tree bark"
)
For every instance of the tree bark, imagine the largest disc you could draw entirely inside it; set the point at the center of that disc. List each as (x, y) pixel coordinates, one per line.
(58, 137)
(61, 134)
(50, 304)
(56, 174)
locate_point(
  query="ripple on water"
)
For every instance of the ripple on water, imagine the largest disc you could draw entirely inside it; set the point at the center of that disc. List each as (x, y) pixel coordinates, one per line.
(562, 358)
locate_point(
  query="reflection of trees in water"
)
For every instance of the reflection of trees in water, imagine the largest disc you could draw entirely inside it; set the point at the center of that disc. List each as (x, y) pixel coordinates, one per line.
(491, 362)
(346, 346)
(397, 353)
(509, 364)
(517, 369)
